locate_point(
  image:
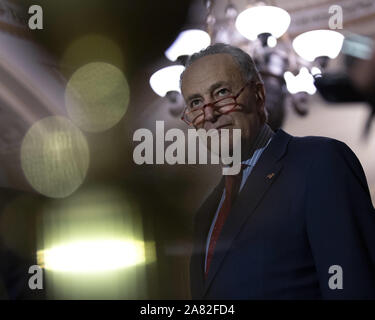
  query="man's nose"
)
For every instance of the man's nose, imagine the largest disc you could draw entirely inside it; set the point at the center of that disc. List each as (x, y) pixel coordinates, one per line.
(209, 113)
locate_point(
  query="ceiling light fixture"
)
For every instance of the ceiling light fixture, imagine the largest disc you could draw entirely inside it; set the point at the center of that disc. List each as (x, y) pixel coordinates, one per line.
(262, 19)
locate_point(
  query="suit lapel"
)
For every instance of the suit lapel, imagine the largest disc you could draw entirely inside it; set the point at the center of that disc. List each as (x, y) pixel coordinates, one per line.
(258, 183)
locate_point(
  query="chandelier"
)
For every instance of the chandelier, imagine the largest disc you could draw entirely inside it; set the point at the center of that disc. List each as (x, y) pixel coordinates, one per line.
(288, 66)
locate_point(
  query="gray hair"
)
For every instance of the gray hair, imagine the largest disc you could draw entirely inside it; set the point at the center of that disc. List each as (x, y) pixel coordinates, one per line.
(245, 62)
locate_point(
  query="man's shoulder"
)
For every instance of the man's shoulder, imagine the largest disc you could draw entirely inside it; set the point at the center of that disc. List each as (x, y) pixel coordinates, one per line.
(318, 146)
(323, 154)
(319, 156)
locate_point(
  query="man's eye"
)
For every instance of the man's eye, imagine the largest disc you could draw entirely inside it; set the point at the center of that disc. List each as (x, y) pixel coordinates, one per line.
(195, 104)
(222, 92)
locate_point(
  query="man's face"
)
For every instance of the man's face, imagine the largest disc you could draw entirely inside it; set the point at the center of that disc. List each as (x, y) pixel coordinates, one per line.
(215, 76)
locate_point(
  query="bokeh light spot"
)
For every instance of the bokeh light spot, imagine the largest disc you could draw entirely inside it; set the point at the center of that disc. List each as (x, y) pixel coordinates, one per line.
(92, 246)
(55, 157)
(97, 96)
(94, 255)
(90, 48)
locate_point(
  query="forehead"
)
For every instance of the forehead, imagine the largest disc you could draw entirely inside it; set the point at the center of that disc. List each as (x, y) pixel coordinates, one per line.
(208, 70)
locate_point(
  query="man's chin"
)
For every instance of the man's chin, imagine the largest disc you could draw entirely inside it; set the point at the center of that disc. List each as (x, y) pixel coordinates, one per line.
(228, 126)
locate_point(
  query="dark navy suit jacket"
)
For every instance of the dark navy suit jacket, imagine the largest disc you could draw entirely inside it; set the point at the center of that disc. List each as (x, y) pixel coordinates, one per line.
(286, 230)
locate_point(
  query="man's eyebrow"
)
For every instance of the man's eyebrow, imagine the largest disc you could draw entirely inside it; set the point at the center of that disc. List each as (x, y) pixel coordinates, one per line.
(193, 96)
(210, 89)
(217, 85)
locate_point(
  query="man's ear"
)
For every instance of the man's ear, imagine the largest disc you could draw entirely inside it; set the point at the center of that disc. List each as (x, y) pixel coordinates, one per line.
(260, 94)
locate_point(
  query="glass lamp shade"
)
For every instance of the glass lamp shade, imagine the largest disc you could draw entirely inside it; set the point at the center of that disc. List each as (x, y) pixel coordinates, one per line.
(187, 43)
(315, 71)
(166, 79)
(302, 82)
(318, 43)
(262, 19)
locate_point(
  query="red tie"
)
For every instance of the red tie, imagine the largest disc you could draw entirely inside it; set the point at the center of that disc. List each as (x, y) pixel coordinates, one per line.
(232, 186)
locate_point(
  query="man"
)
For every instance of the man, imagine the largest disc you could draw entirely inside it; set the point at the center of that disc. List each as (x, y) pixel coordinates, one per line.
(298, 223)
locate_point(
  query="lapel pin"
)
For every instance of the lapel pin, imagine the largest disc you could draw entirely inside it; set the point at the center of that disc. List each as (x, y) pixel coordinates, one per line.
(270, 176)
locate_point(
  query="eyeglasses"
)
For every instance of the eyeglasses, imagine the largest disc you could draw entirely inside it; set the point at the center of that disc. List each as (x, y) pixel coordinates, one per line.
(195, 116)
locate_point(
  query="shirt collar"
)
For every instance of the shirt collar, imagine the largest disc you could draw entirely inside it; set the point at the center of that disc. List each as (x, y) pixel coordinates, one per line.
(260, 143)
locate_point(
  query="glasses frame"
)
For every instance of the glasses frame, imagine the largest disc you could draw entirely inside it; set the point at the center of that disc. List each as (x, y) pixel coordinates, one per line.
(212, 104)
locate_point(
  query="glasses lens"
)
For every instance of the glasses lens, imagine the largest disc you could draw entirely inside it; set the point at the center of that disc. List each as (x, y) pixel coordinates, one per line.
(194, 116)
(225, 105)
